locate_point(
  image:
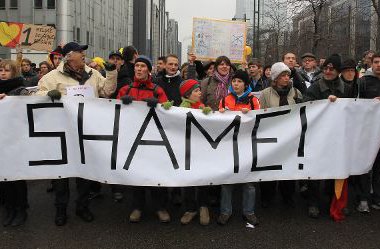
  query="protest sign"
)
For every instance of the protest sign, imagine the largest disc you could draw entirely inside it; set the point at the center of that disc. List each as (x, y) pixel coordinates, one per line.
(212, 38)
(29, 36)
(106, 141)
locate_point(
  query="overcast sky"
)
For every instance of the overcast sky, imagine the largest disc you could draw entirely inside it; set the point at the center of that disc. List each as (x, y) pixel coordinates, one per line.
(183, 11)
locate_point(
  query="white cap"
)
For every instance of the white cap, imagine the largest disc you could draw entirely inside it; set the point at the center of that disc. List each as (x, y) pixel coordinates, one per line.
(277, 69)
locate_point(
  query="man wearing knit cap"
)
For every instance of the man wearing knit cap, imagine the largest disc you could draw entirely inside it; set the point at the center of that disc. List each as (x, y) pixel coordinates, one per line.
(143, 89)
(309, 71)
(349, 73)
(329, 87)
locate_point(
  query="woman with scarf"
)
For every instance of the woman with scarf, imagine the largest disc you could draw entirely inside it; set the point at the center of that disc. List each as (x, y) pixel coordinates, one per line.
(215, 87)
(281, 93)
(15, 192)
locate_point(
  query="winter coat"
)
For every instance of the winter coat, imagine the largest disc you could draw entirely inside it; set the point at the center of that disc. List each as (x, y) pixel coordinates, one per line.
(124, 77)
(297, 81)
(170, 86)
(208, 88)
(59, 80)
(369, 86)
(13, 87)
(142, 90)
(270, 98)
(317, 75)
(231, 103)
(187, 103)
(31, 78)
(260, 85)
(322, 89)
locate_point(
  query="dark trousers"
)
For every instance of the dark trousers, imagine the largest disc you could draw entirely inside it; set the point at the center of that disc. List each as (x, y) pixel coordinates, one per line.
(314, 191)
(15, 194)
(196, 197)
(62, 192)
(159, 197)
(268, 190)
(362, 187)
(376, 179)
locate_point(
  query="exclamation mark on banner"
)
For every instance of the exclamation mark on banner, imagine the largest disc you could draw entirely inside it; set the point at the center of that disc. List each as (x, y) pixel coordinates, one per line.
(301, 147)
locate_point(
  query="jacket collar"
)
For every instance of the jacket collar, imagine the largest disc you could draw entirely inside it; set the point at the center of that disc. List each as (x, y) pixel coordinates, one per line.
(60, 68)
(324, 87)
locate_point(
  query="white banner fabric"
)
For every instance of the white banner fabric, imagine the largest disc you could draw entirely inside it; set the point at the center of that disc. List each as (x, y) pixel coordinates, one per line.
(106, 141)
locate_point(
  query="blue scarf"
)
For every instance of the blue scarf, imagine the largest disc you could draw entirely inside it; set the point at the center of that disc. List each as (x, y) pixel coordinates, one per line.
(244, 97)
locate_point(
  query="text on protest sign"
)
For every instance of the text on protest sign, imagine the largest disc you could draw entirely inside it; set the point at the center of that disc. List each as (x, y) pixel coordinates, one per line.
(106, 141)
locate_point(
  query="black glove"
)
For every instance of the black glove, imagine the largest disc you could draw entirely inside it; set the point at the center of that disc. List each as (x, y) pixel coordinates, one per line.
(109, 66)
(54, 95)
(152, 102)
(126, 100)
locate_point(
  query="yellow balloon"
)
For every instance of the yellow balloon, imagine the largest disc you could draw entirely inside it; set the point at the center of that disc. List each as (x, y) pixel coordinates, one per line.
(248, 50)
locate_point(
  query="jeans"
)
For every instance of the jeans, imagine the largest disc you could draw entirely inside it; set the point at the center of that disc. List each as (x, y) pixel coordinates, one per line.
(249, 196)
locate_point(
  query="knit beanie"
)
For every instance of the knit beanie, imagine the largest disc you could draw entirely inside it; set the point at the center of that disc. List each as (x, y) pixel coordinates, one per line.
(146, 60)
(277, 69)
(243, 75)
(335, 60)
(348, 64)
(188, 86)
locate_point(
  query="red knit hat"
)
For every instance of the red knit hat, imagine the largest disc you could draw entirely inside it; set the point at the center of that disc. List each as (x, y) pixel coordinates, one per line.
(188, 86)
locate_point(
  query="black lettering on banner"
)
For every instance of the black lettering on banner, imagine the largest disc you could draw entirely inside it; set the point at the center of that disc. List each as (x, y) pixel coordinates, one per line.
(190, 119)
(114, 137)
(138, 141)
(60, 135)
(301, 147)
(256, 140)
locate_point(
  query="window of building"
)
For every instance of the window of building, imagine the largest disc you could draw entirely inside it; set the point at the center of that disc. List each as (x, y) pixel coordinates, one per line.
(13, 4)
(2, 4)
(51, 4)
(38, 4)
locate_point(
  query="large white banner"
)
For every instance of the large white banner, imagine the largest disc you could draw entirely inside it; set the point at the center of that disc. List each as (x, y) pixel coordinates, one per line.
(108, 142)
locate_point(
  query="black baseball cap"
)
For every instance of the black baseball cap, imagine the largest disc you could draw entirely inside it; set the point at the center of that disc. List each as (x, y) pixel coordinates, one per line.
(117, 53)
(73, 46)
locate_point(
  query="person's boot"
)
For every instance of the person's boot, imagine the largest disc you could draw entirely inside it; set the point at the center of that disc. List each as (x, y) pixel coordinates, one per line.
(85, 214)
(20, 217)
(188, 217)
(204, 216)
(9, 216)
(60, 216)
(163, 216)
(135, 216)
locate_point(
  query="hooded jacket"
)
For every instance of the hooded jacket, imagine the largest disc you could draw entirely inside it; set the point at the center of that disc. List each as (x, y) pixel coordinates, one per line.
(30, 78)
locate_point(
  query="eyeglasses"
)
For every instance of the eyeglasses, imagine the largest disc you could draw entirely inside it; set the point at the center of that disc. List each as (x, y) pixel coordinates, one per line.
(328, 69)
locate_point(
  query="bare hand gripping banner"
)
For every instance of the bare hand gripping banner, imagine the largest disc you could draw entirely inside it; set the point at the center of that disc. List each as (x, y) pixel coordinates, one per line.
(108, 142)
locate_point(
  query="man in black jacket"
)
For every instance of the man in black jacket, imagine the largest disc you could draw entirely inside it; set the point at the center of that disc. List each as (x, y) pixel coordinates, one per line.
(170, 79)
(329, 87)
(369, 88)
(298, 82)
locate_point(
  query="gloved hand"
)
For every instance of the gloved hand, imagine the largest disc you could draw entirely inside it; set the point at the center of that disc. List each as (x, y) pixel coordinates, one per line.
(54, 95)
(206, 110)
(126, 100)
(109, 66)
(152, 102)
(167, 105)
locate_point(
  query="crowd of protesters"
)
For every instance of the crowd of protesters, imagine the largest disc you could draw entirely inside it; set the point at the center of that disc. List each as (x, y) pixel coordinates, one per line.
(219, 86)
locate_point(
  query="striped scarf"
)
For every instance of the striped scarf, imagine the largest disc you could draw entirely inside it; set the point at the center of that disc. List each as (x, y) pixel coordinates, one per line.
(222, 87)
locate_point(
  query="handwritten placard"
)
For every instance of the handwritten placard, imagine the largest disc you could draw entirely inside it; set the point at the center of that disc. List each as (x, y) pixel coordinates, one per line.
(213, 38)
(29, 36)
